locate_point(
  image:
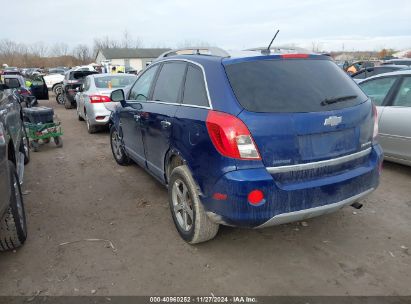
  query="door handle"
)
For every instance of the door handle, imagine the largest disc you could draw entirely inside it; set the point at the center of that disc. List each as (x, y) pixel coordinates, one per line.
(165, 124)
(137, 117)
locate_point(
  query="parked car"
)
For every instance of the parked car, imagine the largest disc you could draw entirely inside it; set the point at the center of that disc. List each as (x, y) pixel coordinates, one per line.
(73, 79)
(33, 87)
(53, 82)
(372, 71)
(402, 61)
(93, 99)
(14, 153)
(250, 140)
(10, 71)
(391, 92)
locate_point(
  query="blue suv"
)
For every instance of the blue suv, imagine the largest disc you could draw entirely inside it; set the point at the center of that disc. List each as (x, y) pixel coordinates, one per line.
(249, 140)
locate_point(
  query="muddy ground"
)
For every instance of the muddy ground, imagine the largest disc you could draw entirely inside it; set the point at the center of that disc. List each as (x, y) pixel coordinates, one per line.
(79, 192)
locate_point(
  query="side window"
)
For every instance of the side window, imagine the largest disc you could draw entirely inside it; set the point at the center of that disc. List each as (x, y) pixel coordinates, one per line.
(12, 83)
(86, 84)
(170, 79)
(141, 88)
(377, 89)
(194, 89)
(403, 98)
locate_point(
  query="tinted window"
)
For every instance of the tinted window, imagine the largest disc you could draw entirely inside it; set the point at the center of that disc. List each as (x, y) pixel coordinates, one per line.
(112, 82)
(403, 98)
(194, 89)
(169, 82)
(378, 88)
(141, 88)
(12, 83)
(293, 85)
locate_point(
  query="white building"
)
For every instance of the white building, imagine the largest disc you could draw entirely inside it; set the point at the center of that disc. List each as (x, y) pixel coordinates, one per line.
(136, 59)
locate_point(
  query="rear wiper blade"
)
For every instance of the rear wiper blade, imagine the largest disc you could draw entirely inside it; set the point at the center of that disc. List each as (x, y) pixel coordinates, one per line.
(332, 100)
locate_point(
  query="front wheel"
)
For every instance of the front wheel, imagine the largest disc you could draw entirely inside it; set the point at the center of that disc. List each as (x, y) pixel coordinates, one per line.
(188, 213)
(58, 141)
(13, 228)
(117, 148)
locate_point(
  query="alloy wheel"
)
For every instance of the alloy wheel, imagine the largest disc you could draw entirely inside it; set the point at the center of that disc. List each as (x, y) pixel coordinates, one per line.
(182, 205)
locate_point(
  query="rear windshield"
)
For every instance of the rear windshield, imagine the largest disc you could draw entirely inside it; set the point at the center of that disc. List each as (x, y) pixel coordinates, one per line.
(113, 81)
(293, 85)
(80, 74)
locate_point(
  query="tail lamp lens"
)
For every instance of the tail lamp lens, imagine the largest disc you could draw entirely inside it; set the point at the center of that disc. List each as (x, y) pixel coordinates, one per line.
(231, 136)
(99, 98)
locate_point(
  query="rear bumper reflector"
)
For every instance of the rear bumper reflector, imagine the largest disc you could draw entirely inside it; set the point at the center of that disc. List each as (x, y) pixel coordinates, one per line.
(319, 164)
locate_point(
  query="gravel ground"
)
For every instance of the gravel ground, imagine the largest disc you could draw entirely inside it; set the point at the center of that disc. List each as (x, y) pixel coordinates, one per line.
(79, 192)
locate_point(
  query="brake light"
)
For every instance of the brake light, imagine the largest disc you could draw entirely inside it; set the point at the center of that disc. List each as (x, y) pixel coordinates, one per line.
(292, 56)
(375, 114)
(99, 98)
(231, 136)
(255, 197)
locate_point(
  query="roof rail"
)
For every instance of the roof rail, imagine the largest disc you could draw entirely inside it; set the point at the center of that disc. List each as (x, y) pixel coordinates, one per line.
(198, 50)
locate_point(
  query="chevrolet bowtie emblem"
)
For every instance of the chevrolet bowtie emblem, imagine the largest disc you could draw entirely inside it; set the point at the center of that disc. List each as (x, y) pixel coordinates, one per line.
(332, 121)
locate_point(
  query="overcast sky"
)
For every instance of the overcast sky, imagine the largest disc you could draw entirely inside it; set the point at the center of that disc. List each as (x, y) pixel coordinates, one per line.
(348, 24)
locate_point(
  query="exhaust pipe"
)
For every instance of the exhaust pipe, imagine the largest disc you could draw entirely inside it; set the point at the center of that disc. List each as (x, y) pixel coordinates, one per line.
(356, 205)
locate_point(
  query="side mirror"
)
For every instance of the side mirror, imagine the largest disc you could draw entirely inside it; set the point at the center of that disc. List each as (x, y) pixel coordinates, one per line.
(118, 96)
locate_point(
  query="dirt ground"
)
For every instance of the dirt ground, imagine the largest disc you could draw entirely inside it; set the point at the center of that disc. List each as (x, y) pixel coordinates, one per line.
(79, 192)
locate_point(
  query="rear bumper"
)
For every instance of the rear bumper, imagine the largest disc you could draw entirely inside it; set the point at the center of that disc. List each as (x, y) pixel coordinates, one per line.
(313, 212)
(288, 201)
(98, 114)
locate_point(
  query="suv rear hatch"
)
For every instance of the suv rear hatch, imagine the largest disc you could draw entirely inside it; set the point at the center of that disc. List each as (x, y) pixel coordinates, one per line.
(301, 109)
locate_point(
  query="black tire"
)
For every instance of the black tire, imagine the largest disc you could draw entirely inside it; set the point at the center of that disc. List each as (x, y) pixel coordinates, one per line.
(60, 98)
(13, 226)
(90, 129)
(79, 117)
(117, 148)
(57, 89)
(67, 104)
(25, 146)
(58, 141)
(200, 228)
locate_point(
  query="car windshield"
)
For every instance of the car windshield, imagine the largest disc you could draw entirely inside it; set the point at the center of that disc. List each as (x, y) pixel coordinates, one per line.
(111, 82)
(292, 85)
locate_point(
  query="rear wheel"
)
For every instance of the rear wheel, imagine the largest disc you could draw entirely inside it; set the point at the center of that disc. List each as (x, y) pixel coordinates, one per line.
(188, 213)
(60, 98)
(67, 104)
(79, 116)
(90, 128)
(117, 148)
(13, 228)
(57, 89)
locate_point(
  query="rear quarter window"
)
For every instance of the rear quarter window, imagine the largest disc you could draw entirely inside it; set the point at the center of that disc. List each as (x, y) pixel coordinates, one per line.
(292, 85)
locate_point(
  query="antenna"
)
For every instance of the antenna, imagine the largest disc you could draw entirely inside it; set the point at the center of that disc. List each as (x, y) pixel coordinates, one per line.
(268, 51)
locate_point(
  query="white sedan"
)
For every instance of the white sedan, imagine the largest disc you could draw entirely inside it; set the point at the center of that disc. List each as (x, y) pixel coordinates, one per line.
(93, 99)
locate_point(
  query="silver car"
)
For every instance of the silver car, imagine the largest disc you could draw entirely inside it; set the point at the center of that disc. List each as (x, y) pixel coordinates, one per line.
(391, 93)
(93, 99)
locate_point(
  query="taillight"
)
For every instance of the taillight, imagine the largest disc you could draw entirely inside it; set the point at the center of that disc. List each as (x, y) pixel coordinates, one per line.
(99, 98)
(231, 136)
(375, 114)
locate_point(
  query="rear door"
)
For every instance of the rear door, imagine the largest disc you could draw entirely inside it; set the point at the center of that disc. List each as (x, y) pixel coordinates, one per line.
(39, 88)
(130, 116)
(395, 123)
(301, 110)
(157, 115)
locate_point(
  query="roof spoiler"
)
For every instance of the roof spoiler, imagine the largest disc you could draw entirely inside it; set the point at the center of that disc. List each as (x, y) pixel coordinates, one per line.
(198, 50)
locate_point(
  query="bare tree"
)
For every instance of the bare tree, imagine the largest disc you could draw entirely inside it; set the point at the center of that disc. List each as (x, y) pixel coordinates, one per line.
(59, 49)
(82, 53)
